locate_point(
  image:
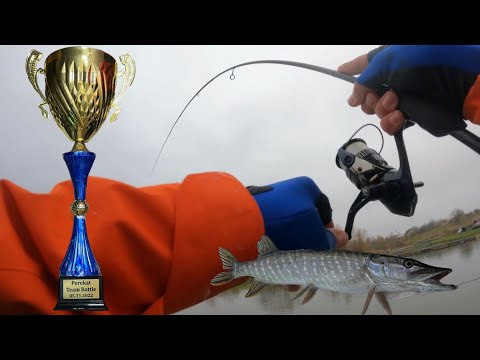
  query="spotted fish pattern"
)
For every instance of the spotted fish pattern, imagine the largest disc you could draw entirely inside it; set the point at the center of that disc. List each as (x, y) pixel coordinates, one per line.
(342, 271)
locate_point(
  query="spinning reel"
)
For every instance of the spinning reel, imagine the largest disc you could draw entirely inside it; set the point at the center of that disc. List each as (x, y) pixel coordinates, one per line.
(376, 180)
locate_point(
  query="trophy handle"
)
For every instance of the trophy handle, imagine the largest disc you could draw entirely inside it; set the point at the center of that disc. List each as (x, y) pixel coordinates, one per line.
(128, 76)
(32, 72)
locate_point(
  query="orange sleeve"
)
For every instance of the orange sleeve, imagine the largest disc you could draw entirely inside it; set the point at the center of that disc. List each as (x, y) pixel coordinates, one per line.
(471, 105)
(157, 246)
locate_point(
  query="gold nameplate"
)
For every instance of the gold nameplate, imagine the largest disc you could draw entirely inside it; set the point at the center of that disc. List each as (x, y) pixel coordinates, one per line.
(81, 289)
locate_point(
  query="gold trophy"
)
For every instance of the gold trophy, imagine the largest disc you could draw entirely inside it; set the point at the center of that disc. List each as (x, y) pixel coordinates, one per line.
(80, 85)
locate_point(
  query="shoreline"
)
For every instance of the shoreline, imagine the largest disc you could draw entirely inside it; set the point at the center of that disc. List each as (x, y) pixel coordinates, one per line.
(426, 246)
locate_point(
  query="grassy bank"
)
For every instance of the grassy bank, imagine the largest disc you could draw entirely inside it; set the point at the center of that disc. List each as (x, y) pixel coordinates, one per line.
(437, 243)
(429, 235)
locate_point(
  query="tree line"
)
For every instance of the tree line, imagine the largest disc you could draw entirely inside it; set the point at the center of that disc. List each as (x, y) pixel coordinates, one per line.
(431, 230)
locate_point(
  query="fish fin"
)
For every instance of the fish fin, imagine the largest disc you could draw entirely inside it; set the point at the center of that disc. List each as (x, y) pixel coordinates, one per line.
(301, 292)
(227, 258)
(255, 288)
(222, 278)
(371, 291)
(383, 300)
(310, 294)
(265, 246)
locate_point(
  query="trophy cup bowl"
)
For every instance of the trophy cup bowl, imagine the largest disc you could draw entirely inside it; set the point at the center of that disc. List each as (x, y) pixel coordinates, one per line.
(80, 86)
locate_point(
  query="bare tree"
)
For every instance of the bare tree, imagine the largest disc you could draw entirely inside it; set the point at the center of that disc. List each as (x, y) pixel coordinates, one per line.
(359, 241)
(457, 215)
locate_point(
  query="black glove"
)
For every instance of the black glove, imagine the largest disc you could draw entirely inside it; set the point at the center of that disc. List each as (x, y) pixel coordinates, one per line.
(437, 84)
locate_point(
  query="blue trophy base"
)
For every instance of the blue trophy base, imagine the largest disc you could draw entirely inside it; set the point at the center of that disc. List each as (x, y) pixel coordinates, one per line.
(80, 293)
(80, 282)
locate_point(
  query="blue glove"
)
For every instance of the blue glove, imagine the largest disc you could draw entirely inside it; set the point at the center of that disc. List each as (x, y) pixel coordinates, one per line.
(441, 80)
(295, 213)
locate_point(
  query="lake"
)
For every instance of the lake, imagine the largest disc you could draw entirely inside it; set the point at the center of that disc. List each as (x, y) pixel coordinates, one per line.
(463, 259)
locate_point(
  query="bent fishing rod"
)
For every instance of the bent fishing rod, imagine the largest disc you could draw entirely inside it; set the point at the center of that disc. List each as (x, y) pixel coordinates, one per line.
(432, 118)
(366, 168)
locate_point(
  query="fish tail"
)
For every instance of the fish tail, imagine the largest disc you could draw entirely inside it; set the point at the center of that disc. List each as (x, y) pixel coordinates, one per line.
(222, 278)
(228, 261)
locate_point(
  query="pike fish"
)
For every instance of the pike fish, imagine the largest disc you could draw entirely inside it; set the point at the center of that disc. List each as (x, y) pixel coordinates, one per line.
(384, 276)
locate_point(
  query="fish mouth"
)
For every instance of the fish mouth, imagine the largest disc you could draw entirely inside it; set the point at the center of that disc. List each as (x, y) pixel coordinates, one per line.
(435, 280)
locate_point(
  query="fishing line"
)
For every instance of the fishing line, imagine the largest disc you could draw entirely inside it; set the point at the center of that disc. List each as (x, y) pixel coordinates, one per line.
(466, 282)
(463, 283)
(336, 74)
(375, 126)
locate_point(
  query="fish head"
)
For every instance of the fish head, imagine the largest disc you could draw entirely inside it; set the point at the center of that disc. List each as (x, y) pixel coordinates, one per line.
(392, 273)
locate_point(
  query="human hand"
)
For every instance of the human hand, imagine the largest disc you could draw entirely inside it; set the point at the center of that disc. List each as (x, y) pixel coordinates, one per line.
(441, 75)
(391, 119)
(325, 211)
(298, 215)
(341, 236)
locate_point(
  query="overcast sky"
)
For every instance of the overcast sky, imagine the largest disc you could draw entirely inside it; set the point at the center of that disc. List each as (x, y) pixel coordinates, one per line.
(271, 123)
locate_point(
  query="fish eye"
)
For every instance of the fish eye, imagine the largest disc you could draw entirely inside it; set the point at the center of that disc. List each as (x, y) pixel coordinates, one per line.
(408, 264)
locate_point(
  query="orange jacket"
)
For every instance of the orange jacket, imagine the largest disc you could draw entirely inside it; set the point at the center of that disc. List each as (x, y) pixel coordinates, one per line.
(471, 106)
(157, 246)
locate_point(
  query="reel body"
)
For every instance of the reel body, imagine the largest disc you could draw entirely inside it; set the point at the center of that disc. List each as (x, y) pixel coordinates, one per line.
(376, 180)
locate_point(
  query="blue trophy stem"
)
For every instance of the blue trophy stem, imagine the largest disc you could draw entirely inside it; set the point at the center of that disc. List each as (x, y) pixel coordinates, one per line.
(79, 260)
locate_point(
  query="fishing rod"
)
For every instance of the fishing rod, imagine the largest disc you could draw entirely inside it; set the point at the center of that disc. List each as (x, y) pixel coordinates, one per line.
(439, 122)
(365, 168)
(316, 68)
